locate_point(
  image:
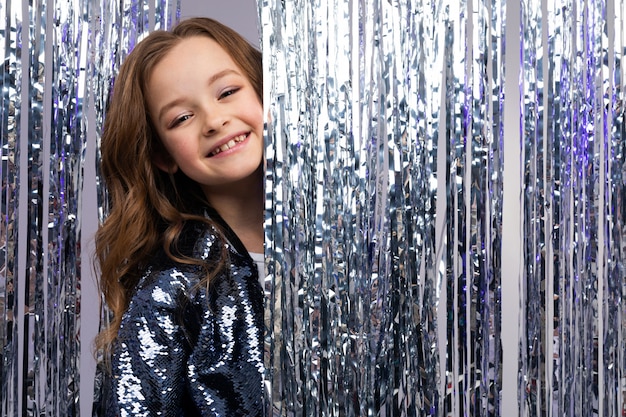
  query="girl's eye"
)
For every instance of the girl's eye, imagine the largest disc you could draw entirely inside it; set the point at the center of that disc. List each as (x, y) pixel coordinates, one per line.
(229, 92)
(180, 120)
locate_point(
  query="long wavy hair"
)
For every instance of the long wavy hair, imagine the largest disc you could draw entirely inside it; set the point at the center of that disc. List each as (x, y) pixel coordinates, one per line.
(147, 207)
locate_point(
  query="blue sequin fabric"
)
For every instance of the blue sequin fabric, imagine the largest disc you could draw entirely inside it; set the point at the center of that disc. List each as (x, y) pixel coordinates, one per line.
(185, 350)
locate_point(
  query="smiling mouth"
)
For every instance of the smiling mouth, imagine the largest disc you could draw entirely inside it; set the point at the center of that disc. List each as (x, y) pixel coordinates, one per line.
(230, 144)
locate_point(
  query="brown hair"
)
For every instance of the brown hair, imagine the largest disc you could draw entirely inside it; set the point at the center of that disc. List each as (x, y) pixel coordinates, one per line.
(146, 210)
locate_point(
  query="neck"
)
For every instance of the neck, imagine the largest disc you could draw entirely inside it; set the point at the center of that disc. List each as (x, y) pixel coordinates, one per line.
(241, 207)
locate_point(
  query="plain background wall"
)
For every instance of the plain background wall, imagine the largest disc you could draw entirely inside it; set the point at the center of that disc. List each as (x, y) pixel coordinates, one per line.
(240, 15)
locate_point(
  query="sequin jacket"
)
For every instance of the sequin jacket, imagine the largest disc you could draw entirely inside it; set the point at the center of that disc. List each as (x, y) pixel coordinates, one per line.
(184, 351)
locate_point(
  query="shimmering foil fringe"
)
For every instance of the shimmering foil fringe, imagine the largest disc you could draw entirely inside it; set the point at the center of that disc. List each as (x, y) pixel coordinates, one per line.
(613, 315)
(384, 202)
(532, 351)
(572, 356)
(473, 217)
(35, 317)
(66, 58)
(10, 122)
(356, 263)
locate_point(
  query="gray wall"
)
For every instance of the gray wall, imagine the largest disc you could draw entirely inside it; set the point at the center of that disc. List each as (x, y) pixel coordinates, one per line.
(241, 15)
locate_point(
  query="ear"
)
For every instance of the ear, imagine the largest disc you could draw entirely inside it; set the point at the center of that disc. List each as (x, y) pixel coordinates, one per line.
(165, 163)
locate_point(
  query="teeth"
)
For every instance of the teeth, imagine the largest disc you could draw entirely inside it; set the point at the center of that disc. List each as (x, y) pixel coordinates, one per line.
(229, 144)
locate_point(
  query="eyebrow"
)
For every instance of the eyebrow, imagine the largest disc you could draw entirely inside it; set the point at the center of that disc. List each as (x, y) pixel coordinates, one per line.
(211, 80)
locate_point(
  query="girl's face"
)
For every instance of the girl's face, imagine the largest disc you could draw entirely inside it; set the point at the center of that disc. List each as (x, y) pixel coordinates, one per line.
(207, 115)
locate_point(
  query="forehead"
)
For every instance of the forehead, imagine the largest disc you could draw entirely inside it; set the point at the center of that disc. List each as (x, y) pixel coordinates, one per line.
(191, 53)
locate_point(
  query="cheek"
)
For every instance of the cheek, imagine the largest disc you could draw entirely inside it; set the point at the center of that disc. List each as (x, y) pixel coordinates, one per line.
(258, 118)
(176, 148)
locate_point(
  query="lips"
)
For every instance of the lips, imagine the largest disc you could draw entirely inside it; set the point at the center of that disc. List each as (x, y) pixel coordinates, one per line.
(230, 144)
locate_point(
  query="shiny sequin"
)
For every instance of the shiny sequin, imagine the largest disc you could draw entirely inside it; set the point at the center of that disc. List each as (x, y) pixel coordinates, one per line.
(183, 350)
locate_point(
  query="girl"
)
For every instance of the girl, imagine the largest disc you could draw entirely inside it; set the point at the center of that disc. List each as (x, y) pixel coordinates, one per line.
(182, 153)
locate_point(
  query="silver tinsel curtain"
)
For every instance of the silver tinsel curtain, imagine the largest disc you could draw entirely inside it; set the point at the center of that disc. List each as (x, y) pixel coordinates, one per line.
(444, 216)
(59, 58)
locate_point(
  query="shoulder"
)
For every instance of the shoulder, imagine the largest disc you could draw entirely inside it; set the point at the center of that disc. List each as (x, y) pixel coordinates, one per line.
(197, 241)
(165, 287)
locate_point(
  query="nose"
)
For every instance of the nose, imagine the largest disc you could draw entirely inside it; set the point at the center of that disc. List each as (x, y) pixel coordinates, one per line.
(215, 120)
